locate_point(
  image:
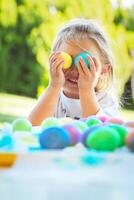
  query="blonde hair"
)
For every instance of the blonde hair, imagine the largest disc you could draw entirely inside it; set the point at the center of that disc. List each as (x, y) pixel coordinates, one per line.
(80, 29)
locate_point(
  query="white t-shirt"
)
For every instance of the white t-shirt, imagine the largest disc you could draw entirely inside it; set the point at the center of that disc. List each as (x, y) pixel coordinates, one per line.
(68, 107)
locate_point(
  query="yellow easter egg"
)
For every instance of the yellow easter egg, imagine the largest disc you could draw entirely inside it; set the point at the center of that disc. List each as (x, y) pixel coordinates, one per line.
(67, 60)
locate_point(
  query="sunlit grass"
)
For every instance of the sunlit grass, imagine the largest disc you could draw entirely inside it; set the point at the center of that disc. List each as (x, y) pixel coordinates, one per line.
(127, 114)
(13, 106)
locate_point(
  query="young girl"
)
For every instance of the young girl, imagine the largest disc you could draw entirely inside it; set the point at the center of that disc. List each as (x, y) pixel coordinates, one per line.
(78, 92)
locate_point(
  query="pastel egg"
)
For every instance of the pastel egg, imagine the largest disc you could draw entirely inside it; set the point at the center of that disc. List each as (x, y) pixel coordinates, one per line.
(67, 60)
(82, 126)
(50, 121)
(129, 124)
(86, 133)
(122, 131)
(103, 118)
(92, 121)
(7, 159)
(130, 140)
(54, 138)
(21, 124)
(115, 121)
(7, 141)
(65, 120)
(84, 57)
(74, 133)
(103, 139)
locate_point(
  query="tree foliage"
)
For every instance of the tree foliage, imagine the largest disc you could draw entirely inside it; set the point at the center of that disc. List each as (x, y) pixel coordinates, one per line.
(28, 27)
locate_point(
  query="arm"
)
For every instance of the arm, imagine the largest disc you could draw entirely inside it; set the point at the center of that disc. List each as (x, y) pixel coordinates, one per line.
(46, 106)
(87, 82)
(89, 103)
(47, 103)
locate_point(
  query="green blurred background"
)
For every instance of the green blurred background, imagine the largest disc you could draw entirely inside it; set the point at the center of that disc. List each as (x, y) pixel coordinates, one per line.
(27, 30)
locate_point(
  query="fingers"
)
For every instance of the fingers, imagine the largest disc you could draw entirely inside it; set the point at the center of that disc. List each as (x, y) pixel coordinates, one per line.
(79, 67)
(56, 62)
(54, 56)
(83, 66)
(57, 65)
(92, 67)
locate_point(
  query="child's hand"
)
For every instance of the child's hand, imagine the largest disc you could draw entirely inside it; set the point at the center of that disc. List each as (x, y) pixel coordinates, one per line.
(88, 77)
(56, 73)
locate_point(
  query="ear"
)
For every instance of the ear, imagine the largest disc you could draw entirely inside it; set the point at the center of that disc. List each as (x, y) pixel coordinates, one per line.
(106, 69)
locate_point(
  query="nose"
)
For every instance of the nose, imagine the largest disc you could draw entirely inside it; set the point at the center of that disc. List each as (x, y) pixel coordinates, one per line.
(73, 71)
(73, 68)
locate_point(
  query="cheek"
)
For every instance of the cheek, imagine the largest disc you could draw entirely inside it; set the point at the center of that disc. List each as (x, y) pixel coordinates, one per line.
(66, 72)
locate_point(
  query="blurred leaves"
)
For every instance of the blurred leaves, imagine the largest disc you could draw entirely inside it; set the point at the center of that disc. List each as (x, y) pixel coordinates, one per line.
(8, 12)
(27, 30)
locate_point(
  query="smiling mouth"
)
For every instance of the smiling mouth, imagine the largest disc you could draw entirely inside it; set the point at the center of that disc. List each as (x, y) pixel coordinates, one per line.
(73, 81)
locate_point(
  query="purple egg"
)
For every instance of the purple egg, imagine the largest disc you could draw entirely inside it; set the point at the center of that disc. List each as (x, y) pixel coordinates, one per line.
(103, 118)
(86, 133)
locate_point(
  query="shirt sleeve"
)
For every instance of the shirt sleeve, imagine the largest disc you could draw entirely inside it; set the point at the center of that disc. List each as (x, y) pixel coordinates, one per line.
(108, 106)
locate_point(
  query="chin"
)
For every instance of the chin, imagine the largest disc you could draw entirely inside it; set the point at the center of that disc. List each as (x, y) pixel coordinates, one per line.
(69, 92)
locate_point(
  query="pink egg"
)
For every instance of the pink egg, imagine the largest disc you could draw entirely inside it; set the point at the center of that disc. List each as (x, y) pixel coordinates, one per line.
(73, 132)
(115, 121)
(103, 118)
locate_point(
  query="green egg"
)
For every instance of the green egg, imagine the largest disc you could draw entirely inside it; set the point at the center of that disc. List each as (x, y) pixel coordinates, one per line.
(51, 121)
(80, 125)
(93, 121)
(103, 139)
(21, 124)
(122, 131)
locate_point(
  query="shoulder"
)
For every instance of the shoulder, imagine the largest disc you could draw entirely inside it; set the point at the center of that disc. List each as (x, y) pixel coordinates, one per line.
(108, 103)
(107, 98)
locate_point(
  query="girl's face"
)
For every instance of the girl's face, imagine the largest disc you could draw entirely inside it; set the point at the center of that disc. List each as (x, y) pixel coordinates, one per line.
(70, 87)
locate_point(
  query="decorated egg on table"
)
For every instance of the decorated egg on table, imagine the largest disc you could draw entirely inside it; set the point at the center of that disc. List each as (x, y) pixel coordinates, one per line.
(130, 140)
(74, 133)
(103, 139)
(65, 120)
(50, 121)
(122, 131)
(54, 138)
(21, 124)
(114, 121)
(129, 124)
(92, 121)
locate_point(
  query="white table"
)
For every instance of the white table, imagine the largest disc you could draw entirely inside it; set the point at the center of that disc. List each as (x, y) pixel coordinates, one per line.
(63, 175)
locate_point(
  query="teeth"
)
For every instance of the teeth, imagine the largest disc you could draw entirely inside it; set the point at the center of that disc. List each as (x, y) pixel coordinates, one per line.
(75, 81)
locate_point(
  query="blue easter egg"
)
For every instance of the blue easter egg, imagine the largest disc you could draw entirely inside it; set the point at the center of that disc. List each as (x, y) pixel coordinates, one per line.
(54, 138)
(83, 55)
(7, 141)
